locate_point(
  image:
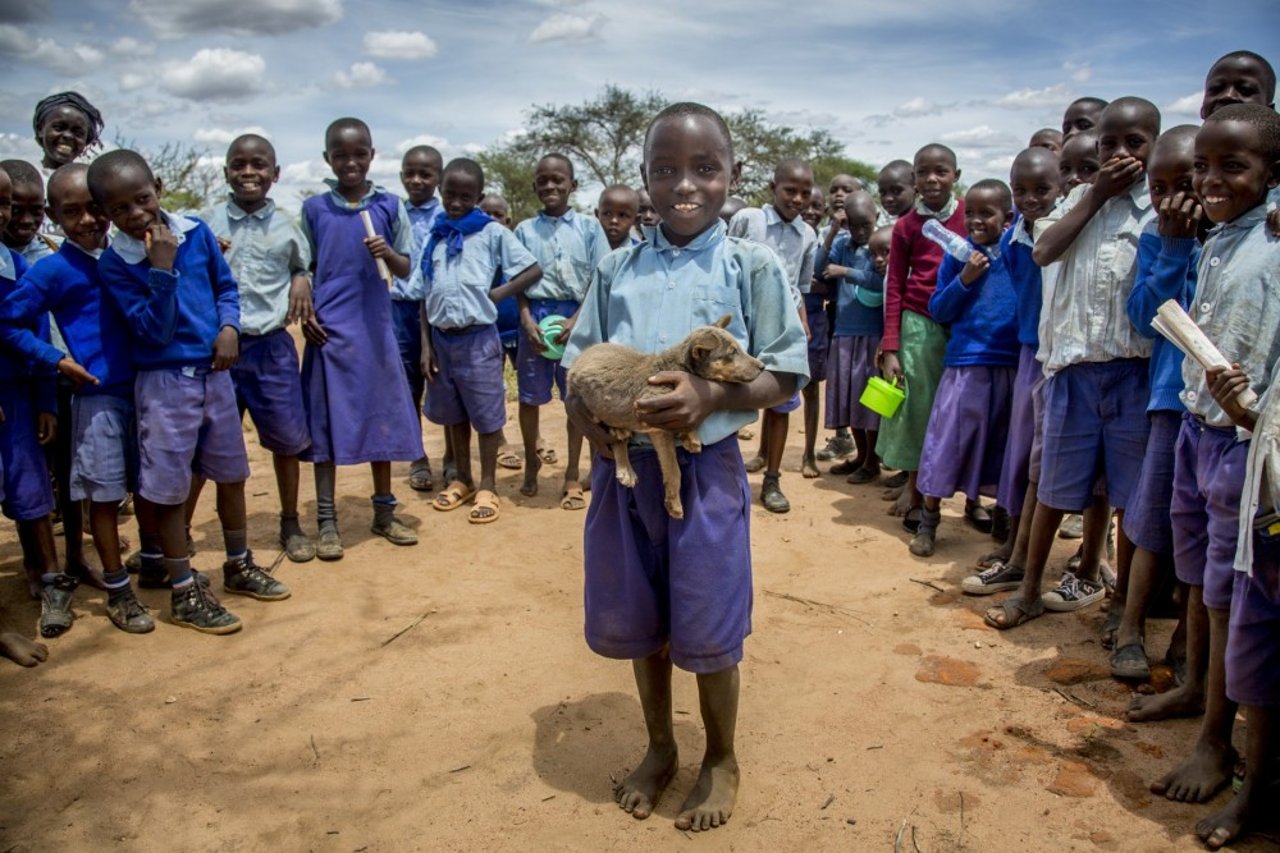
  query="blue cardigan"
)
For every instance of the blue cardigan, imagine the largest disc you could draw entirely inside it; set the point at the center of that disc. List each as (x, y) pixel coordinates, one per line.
(1166, 270)
(982, 316)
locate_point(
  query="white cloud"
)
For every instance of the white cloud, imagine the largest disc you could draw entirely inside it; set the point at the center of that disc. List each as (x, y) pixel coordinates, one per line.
(239, 17)
(397, 44)
(361, 75)
(566, 27)
(1057, 95)
(213, 74)
(1081, 72)
(982, 136)
(65, 59)
(437, 142)
(129, 46)
(1001, 164)
(916, 107)
(224, 136)
(15, 146)
(1187, 105)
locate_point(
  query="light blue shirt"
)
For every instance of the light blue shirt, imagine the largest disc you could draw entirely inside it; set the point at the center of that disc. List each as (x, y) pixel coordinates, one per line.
(794, 242)
(401, 229)
(421, 218)
(568, 249)
(459, 295)
(267, 251)
(651, 296)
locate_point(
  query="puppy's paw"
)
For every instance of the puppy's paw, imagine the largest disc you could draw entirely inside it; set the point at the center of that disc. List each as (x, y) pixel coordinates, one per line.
(675, 508)
(627, 477)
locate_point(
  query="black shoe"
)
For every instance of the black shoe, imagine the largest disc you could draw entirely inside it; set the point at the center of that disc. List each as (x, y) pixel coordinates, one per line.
(772, 497)
(130, 615)
(243, 577)
(55, 606)
(196, 607)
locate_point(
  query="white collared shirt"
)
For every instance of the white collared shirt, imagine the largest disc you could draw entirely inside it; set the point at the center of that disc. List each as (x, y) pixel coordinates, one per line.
(794, 242)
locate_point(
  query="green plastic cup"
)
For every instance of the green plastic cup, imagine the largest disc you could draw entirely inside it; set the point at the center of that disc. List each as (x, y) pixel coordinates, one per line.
(551, 326)
(882, 398)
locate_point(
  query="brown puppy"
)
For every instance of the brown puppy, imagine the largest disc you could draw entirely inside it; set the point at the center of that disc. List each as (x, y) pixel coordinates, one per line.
(610, 378)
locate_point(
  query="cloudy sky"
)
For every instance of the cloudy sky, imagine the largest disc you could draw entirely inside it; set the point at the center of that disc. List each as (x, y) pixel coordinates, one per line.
(883, 77)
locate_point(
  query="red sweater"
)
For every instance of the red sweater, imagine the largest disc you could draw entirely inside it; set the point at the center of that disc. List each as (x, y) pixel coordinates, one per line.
(913, 272)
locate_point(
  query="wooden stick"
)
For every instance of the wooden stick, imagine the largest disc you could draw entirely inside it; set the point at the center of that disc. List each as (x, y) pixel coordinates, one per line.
(383, 271)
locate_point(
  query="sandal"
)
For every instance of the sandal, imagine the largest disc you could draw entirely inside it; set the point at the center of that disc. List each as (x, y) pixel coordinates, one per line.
(547, 455)
(573, 497)
(911, 521)
(510, 460)
(987, 561)
(978, 516)
(1015, 612)
(453, 496)
(485, 499)
(1110, 627)
(421, 479)
(1130, 662)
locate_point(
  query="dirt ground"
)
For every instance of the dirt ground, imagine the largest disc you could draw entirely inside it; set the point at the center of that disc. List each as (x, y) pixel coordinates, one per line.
(442, 698)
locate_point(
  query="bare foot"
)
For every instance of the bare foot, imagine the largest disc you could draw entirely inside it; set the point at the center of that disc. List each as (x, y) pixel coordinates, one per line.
(809, 468)
(902, 505)
(1205, 772)
(638, 794)
(531, 468)
(1178, 702)
(1227, 824)
(754, 464)
(711, 801)
(892, 493)
(1001, 555)
(22, 651)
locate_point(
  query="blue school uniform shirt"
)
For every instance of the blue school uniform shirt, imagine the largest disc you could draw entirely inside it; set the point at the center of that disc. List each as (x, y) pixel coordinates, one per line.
(267, 251)
(568, 248)
(982, 317)
(1166, 270)
(173, 317)
(68, 285)
(458, 294)
(15, 367)
(421, 218)
(651, 296)
(794, 242)
(860, 294)
(1016, 246)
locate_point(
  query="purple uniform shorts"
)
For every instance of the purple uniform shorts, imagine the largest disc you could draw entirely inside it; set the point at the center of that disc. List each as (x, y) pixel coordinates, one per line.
(104, 448)
(269, 385)
(1146, 519)
(1208, 477)
(27, 493)
(469, 385)
(1253, 639)
(534, 374)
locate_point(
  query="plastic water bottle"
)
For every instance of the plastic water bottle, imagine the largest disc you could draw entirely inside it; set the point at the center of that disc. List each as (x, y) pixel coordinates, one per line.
(951, 242)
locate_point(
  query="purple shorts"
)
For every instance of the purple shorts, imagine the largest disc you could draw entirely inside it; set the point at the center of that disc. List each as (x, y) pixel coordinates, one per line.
(1015, 468)
(788, 406)
(1095, 424)
(28, 494)
(1146, 519)
(269, 385)
(104, 448)
(1208, 478)
(652, 580)
(187, 421)
(534, 374)
(851, 363)
(968, 427)
(819, 342)
(1253, 639)
(469, 385)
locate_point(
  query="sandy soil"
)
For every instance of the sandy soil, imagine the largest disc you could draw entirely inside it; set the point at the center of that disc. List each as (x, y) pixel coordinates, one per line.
(442, 698)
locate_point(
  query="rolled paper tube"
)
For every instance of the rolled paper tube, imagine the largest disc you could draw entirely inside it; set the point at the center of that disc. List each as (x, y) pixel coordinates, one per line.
(383, 271)
(1176, 325)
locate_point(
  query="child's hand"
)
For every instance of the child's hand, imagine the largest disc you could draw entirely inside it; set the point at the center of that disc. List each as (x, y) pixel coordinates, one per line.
(600, 438)
(226, 348)
(1225, 385)
(224, 245)
(162, 246)
(974, 268)
(532, 332)
(835, 271)
(1116, 176)
(838, 220)
(566, 328)
(378, 247)
(1179, 216)
(684, 407)
(890, 366)
(1273, 221)
(71, 369)
(313, 332)
(429, 366)
(46, 427)
(301, 308)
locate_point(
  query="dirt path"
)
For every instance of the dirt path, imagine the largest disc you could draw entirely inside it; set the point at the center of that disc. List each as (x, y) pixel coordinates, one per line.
(868, 700)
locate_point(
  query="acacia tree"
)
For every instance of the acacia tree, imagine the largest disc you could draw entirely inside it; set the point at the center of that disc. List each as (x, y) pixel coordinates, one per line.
(508, 171)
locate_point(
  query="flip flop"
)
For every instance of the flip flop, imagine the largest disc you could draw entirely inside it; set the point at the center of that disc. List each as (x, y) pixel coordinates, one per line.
(484, 499)
(421, 480)
(1016, 612)
(453, 496)
(1110, 627)
(547, 455)
(573, 497)
(510, 460)
(1130, 662)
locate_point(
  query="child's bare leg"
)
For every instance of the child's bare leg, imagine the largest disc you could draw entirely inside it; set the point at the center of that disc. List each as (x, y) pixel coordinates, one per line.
(1187, 699)
(1256, 796)
(809, 462)
(1097, 520)
(1143, 575)
(638, 794)
(489, 443)
(1044, 527)
(1208, 769)
(449, 464)
(775, 442)
(39, 547)
(529, 435)
(572, 470)
(710, 803)
(296, 544)
(870, 462)
(1014, 550)
(193, 501)
(104, 527)
(381, 473)
(757, 462)
(461, 435)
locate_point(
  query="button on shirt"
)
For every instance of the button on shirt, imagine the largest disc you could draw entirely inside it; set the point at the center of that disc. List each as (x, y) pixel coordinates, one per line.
(1237, 305)
(568, 248)
(1086, 303)
(458, 296)
(651, 296)
(421, 218)
(267, 251)
(794, 243)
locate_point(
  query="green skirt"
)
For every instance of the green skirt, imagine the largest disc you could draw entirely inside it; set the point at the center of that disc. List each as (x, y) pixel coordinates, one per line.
(901, 438)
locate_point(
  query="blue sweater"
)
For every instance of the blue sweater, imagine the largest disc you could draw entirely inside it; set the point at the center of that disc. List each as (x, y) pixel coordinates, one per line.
(16, 368)
(1166, 270)
(1028, 284)
(67, 284)
(855, 319)
(983, 316)
(173, 317)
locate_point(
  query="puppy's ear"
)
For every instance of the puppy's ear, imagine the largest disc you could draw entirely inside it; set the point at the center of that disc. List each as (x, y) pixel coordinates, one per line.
(724, 321)
(699, 352)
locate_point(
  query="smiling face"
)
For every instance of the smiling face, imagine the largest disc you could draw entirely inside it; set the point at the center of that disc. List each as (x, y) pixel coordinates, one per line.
(1235, 79)
(617, 214)
(131, 200)
(26, 214)
(1171, 168)
(986, 215)
(420, 175)
(935, 174)
(816, 209)
(63, 136)
(1034, 181)
(1231, 171)
(349, 151)
(553, 182)
(688, 169)
(1079, 162)
(72, 208)
(459, 193)
(250, 171)
(897, 189)
(791, 188)
(879, 248)
(860, 217)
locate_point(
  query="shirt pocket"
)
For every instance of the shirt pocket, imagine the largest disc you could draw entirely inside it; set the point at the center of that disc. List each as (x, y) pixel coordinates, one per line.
(710, 302)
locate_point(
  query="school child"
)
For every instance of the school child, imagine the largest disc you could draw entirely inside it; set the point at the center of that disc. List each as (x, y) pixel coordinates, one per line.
(969, 425)
(66, 125)
(166, 274)
(661, 591)
(1097, 388)
(817, 312)
(840, 186)
(461, 352)
(897, 190)
(103, 443)
(913, 344)
(859, 297)
(355, 411)
(419, 175)
(1047, 137)
(567, 246)
(1237, 305)
(1081, 116)
(778, 225)
(1034, 181)
(23, 233)
(617, 210)
(509, 333)
(1078, 164)
(648, 216)
(270, 260)
(1168, 252)
(28, 402)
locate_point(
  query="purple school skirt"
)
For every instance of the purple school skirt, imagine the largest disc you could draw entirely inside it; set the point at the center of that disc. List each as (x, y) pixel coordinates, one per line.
(1253, 640)
(1015, 470)
(1208, 477)
(851, 363)
(968, 427)
(1146, 519)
